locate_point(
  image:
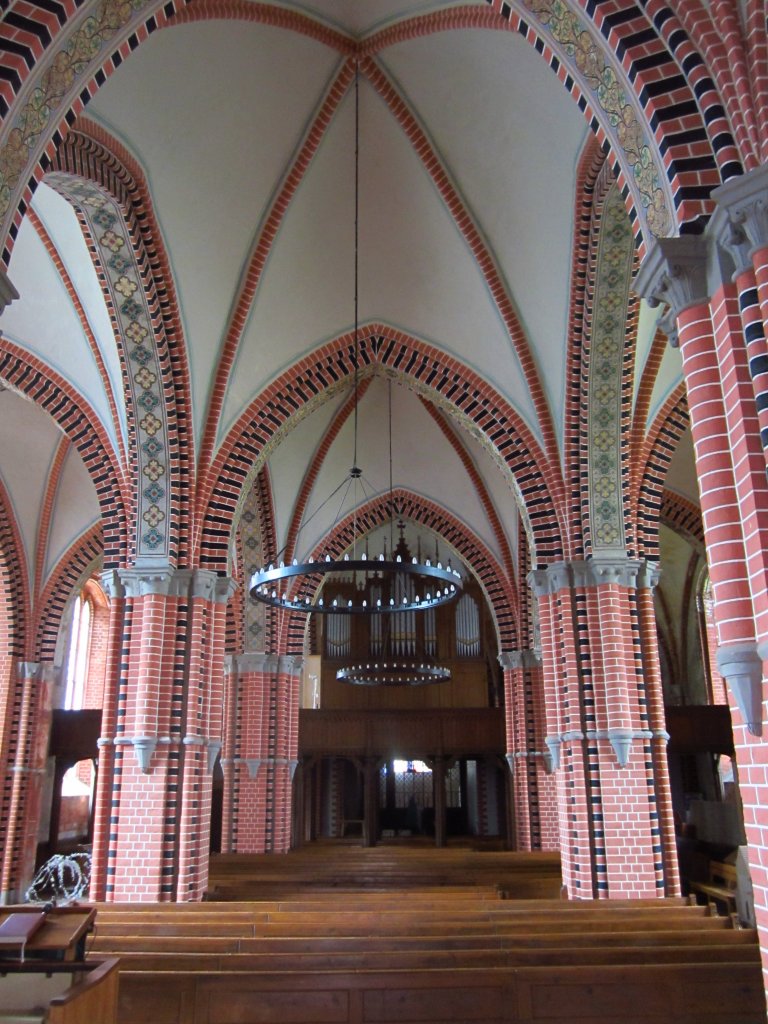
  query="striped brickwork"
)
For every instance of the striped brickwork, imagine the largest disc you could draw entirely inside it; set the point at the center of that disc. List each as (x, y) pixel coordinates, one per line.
(598, 723)
(52, 393)
(680, 107)
(34, 688)
(719, 500)
(427, 371)
(170, 704)
(589, 173)
(746, 453)
(656, 455)
(519, 755)
(107, 797)
(559, 647)
(650, 697)
(261, 753)
(725, 425)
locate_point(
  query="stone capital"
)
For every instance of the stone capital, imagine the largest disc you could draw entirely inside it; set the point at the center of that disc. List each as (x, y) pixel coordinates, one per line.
(612, 569)
(538, 581)
(143, 582)
(674, 273)
(30, 669)
(744, 201)
(256, 661)
(164, 579)
(648, 575)
(112, 584)
(7, 292)
(597, 571)
(226, 587)
(290, 665)
(519, 659)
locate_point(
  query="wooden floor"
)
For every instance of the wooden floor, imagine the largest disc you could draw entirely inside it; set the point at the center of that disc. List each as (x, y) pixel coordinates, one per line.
(407, 934)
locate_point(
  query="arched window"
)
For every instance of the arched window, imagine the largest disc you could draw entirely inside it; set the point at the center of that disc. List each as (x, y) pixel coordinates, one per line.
(76, 671)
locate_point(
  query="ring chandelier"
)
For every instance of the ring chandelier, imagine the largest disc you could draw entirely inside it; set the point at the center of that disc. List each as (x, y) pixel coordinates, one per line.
(393, 673)
(440, 584)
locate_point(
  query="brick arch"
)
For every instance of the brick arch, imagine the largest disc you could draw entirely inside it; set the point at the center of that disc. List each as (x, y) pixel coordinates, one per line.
(116, 29)
(428, 371)
(76, 564)
(487, 569)
(660, 446)
(76, 418)
(155, 367)
(14, 584)
(684, 517)
(14, 619)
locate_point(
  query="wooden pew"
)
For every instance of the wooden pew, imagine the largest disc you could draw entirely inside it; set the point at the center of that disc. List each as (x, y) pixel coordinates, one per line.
(60, 992)
(554, 994)
(382, 938)
(720, 888)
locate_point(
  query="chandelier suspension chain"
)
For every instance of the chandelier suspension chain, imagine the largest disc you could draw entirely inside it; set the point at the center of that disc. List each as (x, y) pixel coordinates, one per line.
(291, 587)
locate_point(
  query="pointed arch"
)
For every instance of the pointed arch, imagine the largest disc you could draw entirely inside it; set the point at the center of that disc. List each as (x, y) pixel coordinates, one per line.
(661, 443)
(442, 379)
(473, 551)
(682, 516)
(79, 562)
(579, 45)
(141, 299)
(80, 423)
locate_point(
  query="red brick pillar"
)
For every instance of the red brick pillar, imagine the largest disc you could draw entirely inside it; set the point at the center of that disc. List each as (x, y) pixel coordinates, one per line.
(203, 727)
(531, 785)
(248, 750)
(675, 272)
(562, 750)
(731, 469)
(647, 654)
(229, 748)
(34, 688)
(263, 754)
(168, 720)
(598, 732)
(106, 780)
(284, 749)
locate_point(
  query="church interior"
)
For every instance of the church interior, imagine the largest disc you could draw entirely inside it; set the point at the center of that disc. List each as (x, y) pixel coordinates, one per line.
(384, 452)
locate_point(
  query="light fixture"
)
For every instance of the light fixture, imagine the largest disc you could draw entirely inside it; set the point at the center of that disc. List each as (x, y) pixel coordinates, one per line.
(414, 585)
(393, 673)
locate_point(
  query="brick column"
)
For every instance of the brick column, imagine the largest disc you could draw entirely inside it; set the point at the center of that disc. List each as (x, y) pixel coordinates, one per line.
(562, 751)
(263, 724)
(523, 682)
(647, 655)
(284, 753)
(168, 720)
(726, 433)
(34, 686)
(203, 727)
(229, 748)
(598, 725)
(675, 272)
(106, 780)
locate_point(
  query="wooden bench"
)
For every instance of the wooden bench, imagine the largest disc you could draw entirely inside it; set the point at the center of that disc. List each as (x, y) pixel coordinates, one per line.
(60, 992)
(720, 888)
(712, 993)
(387, 941)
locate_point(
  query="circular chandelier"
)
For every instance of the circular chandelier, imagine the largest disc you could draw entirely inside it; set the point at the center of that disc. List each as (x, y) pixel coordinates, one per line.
(410, 583)
(393, 673)
(439, 584)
